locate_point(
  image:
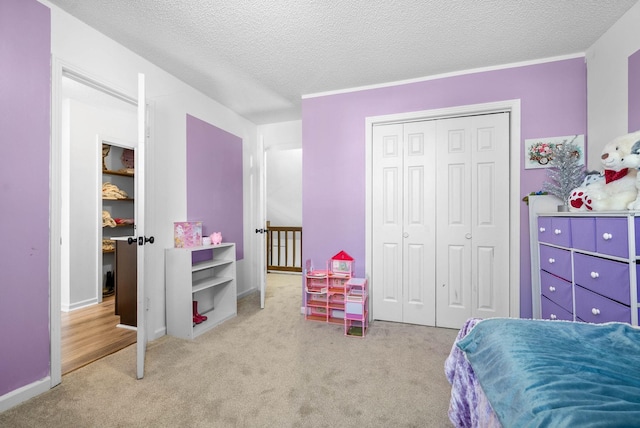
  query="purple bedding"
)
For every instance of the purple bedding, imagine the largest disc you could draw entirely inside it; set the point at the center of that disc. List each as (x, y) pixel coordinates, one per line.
(468, 406)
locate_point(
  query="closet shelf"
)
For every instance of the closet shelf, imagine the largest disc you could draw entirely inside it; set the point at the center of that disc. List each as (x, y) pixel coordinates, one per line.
(123, 174)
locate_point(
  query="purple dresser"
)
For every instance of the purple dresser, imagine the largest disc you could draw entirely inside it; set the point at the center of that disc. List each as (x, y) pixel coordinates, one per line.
(587, 267)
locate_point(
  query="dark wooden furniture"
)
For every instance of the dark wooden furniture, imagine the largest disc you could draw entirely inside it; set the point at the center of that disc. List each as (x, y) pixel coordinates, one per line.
(126, 282)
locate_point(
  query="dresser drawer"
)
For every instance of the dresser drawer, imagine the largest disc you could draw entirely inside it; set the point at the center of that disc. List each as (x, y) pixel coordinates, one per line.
(555, 230)
(557, 290)
(556, 261)
(583, 233)
(552, 311)
(612, 236)
(607, 277)
(636, 221)
(592, 307)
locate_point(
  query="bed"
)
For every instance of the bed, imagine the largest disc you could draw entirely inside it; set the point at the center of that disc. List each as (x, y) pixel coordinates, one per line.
(537, 373)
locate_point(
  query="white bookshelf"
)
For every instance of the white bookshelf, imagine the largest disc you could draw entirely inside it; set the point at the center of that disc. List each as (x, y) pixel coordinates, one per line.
(211, 281)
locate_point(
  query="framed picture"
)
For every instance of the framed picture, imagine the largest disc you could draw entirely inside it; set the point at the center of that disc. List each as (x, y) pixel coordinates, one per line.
(187, 234)
(539, 151)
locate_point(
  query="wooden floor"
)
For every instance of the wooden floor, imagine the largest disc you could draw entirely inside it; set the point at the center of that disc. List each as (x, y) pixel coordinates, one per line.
(89, 334)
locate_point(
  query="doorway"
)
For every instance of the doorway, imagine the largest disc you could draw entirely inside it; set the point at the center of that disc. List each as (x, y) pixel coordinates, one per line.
(88, 321)
(276, 189)
(388, 284)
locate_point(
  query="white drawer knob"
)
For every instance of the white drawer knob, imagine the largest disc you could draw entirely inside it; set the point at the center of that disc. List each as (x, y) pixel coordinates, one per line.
(552, 260)
(542, 229)
(557, 231)
(595, 275)
(607, 236)
(553, 317)
(552, 288)
(595, 311)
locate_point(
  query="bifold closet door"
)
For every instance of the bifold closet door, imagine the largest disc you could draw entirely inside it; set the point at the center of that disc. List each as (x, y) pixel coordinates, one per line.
(473, 218)
(403, 221)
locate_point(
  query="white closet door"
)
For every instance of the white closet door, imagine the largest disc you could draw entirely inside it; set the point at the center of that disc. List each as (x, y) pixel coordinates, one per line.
(473, 218)
(403, 220)
(418, 234)
(387, 222)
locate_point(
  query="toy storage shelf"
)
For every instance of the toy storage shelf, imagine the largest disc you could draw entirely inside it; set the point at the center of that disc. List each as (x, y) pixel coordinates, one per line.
(337, 299)
(356, 317)
(210, 280)
(324, 296)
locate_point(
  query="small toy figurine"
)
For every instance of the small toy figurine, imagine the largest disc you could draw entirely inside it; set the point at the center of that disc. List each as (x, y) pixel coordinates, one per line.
(216, 238)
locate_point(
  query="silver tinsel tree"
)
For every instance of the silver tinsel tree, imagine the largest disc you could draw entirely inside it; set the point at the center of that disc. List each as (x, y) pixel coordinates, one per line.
(565, 172)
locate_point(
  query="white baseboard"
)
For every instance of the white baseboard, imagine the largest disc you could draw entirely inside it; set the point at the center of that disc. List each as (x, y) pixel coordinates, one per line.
(79, 305)
(24, 393)
(246, 293)
(127, 327)
(162, 331)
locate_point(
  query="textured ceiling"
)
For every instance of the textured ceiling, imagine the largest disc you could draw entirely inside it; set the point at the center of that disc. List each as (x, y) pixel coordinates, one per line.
(258, 57)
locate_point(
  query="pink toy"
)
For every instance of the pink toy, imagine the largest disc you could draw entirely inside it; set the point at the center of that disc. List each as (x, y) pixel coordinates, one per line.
(216, 238)
(187, 234)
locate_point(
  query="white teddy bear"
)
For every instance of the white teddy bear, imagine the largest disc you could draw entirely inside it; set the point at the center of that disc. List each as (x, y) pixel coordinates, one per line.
(634, 158)
(618, 190)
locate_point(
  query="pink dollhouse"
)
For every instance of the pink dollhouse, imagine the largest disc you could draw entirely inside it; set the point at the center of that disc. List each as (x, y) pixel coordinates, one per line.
(335, 296)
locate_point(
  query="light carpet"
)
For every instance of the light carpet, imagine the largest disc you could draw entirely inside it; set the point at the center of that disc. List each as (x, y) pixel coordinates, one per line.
(264, 368)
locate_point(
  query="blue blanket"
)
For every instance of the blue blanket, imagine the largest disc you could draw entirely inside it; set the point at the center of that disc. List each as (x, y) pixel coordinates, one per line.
(539, 373)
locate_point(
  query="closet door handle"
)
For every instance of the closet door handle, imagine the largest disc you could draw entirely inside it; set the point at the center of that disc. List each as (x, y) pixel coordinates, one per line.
(405, 235)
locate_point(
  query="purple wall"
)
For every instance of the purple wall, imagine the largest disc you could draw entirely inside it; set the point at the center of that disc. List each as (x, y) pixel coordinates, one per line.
(553, 102)
(25, 49)
(634, 92)
(214, 181)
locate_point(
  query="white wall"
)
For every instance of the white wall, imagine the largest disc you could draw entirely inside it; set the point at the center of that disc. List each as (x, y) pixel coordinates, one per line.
(82, 240)
(284, 187)
(607, 83)
(283, 149)
(78, 46)
(285, 135)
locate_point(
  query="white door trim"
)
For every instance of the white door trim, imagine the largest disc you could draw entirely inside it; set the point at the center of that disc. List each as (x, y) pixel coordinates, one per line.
(512, 106)
(60, 68)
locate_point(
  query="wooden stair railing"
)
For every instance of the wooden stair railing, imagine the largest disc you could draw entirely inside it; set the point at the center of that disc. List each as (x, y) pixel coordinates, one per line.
(284, 248)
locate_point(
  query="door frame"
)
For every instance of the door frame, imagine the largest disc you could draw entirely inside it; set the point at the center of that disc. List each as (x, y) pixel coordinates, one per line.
(511, 106)
(61, 68)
